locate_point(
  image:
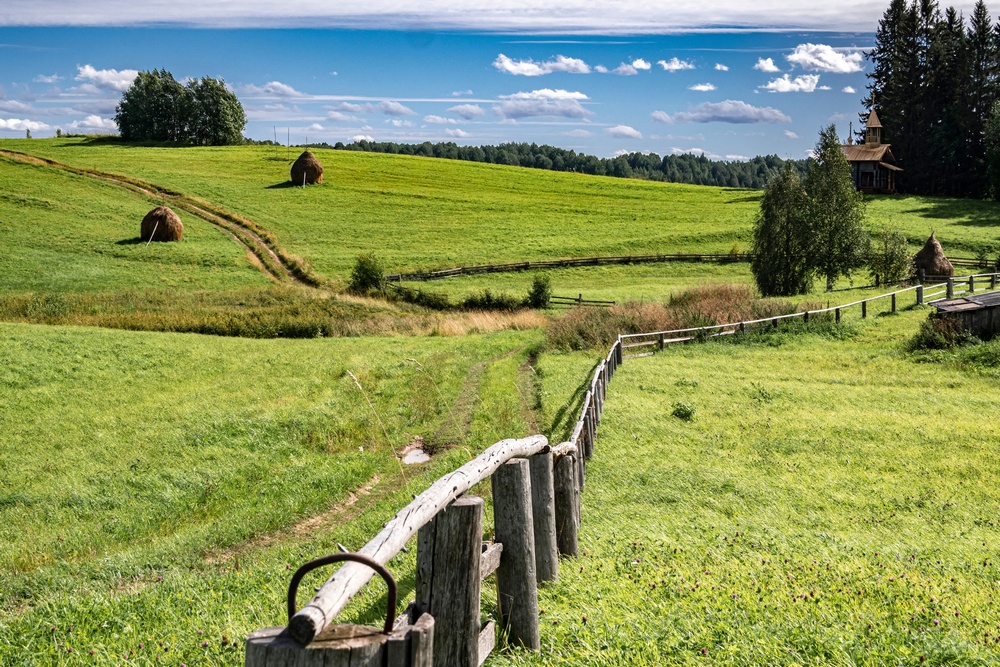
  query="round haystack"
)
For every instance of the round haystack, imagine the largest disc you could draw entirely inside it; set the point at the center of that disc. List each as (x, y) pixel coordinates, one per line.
(161, 224)
(307, 169)
(931, 259)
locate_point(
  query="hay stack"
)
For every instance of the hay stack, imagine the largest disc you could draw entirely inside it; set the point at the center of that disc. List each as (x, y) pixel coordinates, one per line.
(307, 169)
(161, 224)
(931, 259)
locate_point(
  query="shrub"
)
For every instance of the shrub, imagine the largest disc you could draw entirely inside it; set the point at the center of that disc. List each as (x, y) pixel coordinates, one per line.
(368, 274)
(540, 292)
(941, 333)
(487, 300)
(683, 411)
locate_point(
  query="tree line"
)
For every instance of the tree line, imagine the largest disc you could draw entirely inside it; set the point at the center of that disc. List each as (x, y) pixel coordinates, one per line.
(685, 168)
(935, 84)
(157, 107)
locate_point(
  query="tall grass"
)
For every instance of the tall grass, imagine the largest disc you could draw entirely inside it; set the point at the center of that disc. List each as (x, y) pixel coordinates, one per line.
(594, 328)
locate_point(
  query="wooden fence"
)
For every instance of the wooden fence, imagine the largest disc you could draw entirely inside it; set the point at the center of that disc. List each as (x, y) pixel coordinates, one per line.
(537, 513)
(574, 301)
(650, 342)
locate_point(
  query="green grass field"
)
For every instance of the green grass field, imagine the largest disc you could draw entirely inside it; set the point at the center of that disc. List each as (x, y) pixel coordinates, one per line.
(832, 502)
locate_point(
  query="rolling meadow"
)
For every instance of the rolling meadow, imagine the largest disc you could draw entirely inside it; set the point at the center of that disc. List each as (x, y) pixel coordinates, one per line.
(183, 424)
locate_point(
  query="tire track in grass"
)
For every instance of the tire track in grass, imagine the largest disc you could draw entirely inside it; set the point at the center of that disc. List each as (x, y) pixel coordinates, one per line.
(272, 260)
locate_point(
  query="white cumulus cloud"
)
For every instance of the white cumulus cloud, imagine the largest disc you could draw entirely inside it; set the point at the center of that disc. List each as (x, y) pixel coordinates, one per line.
(362, 137)
(719, 67)
(94, 123)
(806, 83)
(675, 64)
(315, 127)
(19, 125)
(107, 79)
(824, 58)
(625, 69)
(729, 111)
(457, 133)
(639, 63)
(544, 102)
(766, 65)
(623, 132)
(390, 108)
(13, 106)
(532, 68)
(468, 111)
(702, 87)
(849, 90)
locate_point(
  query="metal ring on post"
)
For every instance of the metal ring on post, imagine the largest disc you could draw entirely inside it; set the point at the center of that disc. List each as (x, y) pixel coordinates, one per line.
(390, 612)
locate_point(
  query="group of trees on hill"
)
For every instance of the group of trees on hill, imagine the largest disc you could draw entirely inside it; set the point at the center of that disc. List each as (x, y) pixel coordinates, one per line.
(935, 84)
(686, 168)
(157, 107)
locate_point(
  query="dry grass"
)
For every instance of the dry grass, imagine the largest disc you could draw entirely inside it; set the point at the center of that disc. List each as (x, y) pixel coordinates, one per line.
(590, 328)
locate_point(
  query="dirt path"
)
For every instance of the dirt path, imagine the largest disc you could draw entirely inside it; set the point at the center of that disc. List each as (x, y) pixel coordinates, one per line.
(272, 260)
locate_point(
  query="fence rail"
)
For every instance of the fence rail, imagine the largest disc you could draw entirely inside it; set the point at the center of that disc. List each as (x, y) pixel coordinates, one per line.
(950, 288)
(571, 301)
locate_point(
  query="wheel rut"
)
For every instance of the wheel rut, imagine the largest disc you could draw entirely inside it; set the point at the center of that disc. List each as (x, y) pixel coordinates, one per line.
(273, 261)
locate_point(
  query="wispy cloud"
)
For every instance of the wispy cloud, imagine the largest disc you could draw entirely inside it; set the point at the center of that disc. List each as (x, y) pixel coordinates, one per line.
(545, 102)
(623, 132)
(533, 68)
(719, 67)
(766, 65)
(578, 134)
(675, 64)
(791, 135)
(729, 111)
(702, 87)
(456, 133)
(468, 111)
(41, 78)
(13, 106)
(823, 58)
(439, 120)
(390, 108)
(270, 89)
(805, 83)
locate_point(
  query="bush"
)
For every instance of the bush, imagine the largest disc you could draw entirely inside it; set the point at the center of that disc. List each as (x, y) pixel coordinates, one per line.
(540, 292)
(487, 300)
(367, 275)
(683, 411)
(941, 333)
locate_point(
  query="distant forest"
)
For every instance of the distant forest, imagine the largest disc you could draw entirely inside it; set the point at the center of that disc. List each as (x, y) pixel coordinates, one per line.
(935, 84)
(693, 169)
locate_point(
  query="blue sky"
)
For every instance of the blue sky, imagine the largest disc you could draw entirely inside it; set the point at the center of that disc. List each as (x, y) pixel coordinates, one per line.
(728, 79)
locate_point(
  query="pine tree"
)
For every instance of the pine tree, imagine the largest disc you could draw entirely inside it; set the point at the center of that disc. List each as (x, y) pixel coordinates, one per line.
(982, 49)
(838, 240)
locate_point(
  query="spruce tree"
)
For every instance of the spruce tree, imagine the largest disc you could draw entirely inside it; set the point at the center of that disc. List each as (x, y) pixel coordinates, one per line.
(838, 240)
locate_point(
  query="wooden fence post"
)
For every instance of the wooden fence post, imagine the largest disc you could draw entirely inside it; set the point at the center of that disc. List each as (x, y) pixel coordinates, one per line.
(920, 295)
(517, 585)
(993, 281)
(805, 316)
(543, 513)
(566, 485)
(836, 314)
(894, 302)
(951, 288)
(864, 309)
(448, 585)
(743, 327)
(972, 284)
(663, 342)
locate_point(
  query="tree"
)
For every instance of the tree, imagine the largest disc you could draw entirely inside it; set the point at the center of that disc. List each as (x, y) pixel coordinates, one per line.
(153, 108)
(156, 107)
(992, 140)
(838, 240)
(215, 115)
(889, 258)
(780, 263)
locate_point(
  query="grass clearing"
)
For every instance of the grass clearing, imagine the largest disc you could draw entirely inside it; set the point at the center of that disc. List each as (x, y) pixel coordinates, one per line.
(831, 502)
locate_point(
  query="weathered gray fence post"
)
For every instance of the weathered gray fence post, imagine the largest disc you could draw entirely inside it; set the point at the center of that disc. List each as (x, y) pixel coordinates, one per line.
(517, 585)
(993, 281)
(972, 284)
(567, 497)
(543, 513)
(448, 585)
(951, 288)
(920, 294)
